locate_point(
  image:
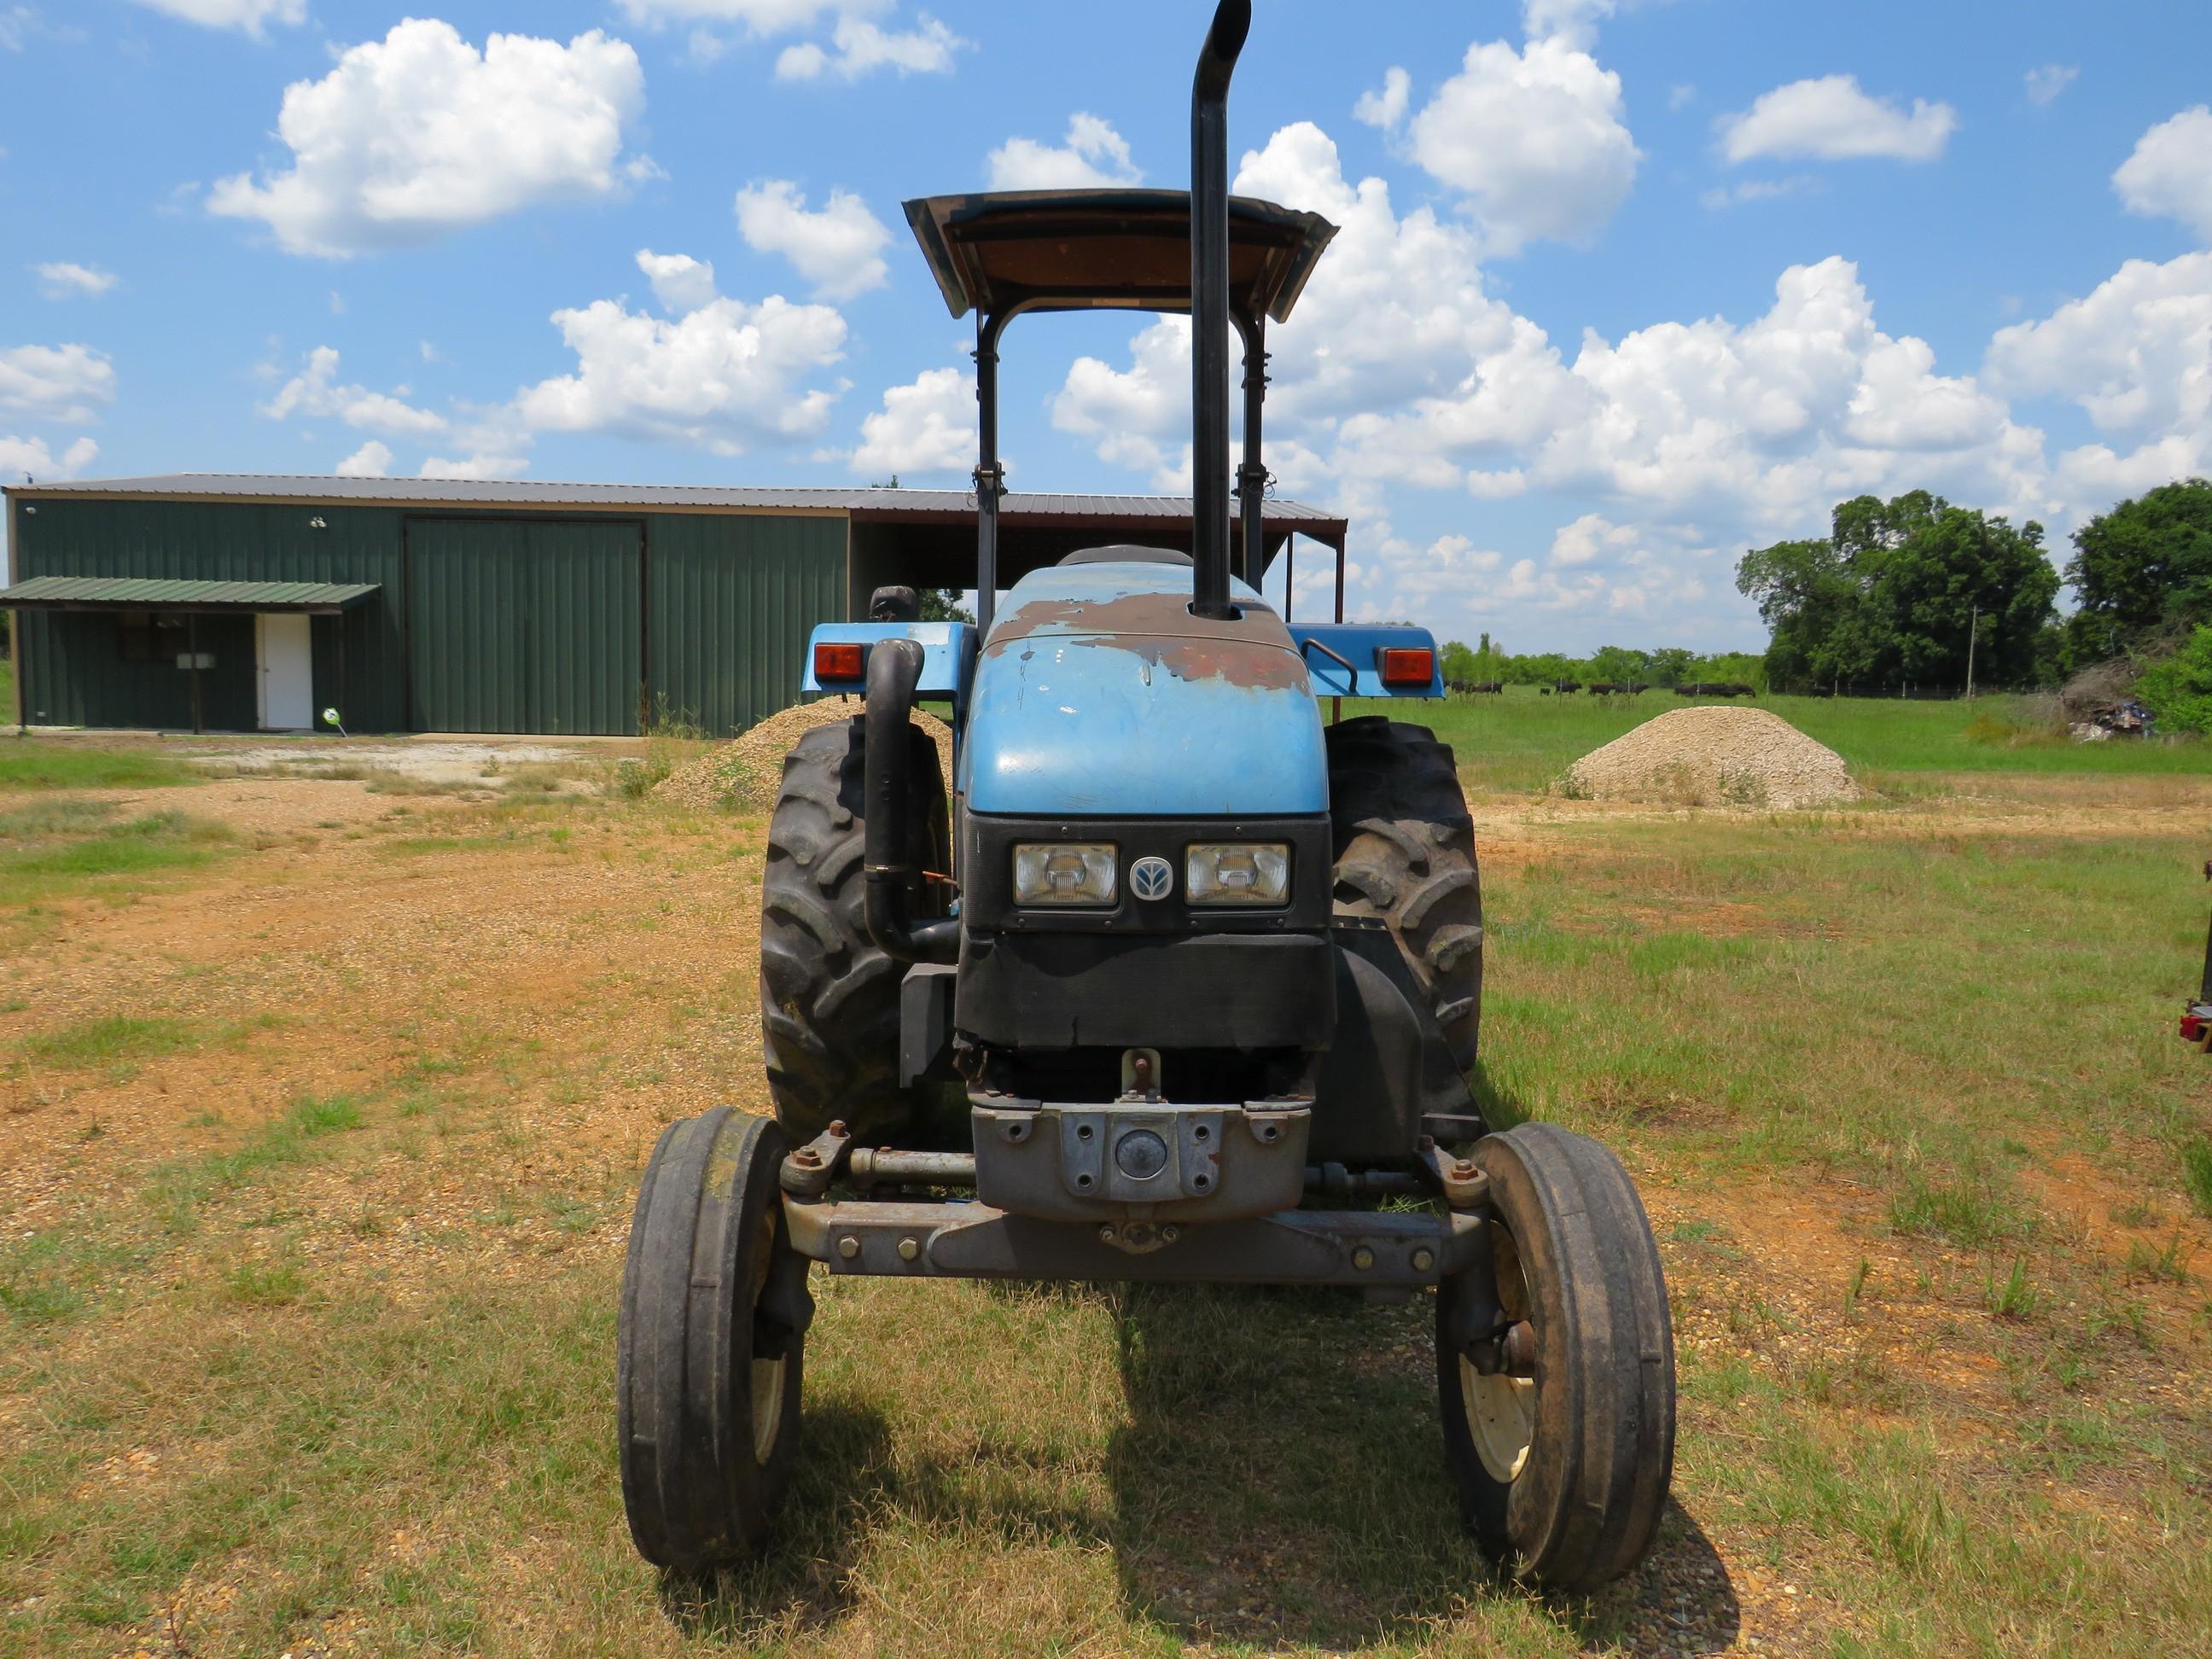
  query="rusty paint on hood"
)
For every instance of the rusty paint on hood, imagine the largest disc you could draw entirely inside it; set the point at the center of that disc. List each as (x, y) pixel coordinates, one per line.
(1254, 651)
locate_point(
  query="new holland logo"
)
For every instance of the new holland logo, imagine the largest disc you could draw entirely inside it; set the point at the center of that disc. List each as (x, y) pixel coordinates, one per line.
(1152, 878)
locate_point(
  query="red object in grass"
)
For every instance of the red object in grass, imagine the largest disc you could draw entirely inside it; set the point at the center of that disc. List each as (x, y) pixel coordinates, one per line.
(2192, 1027)
(839, 661)
(1408, 667)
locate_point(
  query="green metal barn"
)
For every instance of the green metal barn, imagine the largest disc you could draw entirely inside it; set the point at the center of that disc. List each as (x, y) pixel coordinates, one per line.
(214, 602)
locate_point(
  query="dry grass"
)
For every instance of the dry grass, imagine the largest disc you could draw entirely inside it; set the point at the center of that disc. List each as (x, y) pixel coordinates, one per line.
(306, 1290)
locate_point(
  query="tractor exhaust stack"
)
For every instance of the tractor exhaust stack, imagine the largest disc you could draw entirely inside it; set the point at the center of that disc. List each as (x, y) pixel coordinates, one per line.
(1209, 307)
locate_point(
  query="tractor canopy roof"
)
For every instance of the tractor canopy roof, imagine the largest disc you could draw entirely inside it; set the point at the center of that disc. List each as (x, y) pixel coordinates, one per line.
(1085, 250)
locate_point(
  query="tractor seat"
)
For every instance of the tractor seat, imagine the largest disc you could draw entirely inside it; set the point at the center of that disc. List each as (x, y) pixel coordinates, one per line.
(1123, 553)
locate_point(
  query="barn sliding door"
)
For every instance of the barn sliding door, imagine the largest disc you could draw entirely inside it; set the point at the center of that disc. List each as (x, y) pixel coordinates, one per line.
(525, 625)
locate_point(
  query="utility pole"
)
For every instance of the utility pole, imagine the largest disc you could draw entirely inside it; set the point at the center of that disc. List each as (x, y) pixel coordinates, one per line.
(1973, 629)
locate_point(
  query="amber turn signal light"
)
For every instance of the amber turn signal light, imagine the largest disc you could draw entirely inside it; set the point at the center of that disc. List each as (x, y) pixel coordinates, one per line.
(839, 661)
(1408, 667)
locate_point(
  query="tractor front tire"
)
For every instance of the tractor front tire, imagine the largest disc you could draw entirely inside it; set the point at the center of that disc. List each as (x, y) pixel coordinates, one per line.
(1558, 1413)
(1405, 854)
(715, 1310)
(829, 998)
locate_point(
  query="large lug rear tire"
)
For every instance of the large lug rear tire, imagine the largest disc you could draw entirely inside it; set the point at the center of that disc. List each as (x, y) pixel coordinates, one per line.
(709, 1345)
(1404, 855)
(829, 998)
(1562, 1468)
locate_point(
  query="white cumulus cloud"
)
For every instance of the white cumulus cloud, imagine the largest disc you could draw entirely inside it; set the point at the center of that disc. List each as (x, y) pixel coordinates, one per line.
(859, 47)
(251, 16)
(1572, 21)
(420, 133)
(61, 280)
(2136, 354)
(726, 376)
(475, 468)
(1093, 155)
(761, 17)
(55, 383)
(680, 282)
(372, 461)
(30, 457)
(316, 392)
(839, 248)
(1386, 106)
(1831, 119)
(1138, 417)
(2170, 173)
(925, 425)
(1535, 138)
(1589, 538)
(2045, 83)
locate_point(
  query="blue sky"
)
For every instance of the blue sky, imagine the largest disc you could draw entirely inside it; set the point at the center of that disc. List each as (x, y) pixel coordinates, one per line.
(1621, 288)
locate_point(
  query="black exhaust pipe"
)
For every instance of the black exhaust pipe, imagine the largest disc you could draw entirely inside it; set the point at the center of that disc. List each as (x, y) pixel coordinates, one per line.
(894, 668)
(1209, 309)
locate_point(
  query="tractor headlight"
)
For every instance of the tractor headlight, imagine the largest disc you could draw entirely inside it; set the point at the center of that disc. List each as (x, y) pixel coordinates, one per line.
(1064, 874)
(1237, 873)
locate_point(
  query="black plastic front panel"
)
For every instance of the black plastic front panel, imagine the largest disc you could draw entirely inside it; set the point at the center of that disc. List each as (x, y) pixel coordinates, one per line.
(1059, 991)
(987, 876)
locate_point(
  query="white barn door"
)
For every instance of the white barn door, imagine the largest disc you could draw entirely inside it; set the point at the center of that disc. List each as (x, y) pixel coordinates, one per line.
(282, 653)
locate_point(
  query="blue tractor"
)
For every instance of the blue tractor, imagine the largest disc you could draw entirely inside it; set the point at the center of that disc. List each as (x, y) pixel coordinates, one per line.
(1186, 986)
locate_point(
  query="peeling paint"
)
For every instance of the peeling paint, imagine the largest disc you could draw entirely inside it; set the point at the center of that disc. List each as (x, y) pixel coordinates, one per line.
(1069, 716)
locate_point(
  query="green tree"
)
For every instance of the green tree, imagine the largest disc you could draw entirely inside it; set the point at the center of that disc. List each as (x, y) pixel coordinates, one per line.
(1902, 590)
(2178, 689)
(2141, 569)
(1619, 666)
(1459, 663)
(1955, 581)
(1811, 603)
(943, 605)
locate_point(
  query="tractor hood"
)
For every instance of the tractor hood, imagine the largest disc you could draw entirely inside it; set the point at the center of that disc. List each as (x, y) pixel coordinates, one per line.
(1098, 693)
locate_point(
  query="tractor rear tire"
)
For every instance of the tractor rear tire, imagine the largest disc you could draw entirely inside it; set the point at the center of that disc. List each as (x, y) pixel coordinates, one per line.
(829, 998)
(1563, 1470)
(1405, 854)
(709, 1348)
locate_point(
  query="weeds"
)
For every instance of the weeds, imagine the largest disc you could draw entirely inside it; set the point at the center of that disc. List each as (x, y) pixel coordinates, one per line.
(1852, 1291)
(1968, 1214)
(27, 764)
(114, 1037)
(2197, 1172)
(671, 737)
(2169, 1265)
(2014, 1299)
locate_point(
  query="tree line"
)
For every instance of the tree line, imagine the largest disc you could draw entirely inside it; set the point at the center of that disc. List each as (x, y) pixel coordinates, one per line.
(1915, 591)
(1490, 663)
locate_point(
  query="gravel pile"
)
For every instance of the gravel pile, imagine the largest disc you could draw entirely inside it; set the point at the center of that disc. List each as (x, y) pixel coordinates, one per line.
(744, 774)
(1713, 756)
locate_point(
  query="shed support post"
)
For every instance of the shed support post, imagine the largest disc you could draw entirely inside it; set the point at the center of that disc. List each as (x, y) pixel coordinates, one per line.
(192, 647)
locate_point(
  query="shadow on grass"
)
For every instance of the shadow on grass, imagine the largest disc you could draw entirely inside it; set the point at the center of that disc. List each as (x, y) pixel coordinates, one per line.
(1283, 1481)
(803, 1582)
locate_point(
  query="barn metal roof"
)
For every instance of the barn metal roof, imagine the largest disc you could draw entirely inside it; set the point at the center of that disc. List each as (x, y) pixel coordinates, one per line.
(137, 593)
(883, 505)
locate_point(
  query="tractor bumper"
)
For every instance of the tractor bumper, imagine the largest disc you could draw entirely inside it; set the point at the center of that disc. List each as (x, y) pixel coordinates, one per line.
(1371, 1249)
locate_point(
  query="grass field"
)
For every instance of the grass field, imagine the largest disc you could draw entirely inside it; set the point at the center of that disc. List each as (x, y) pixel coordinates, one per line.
(316, 1155)
(1521, 740)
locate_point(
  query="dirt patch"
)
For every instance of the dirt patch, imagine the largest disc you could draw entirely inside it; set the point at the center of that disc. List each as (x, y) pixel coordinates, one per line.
(744, 774)
(1715, 756)
(257, 807)
(436, 760)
